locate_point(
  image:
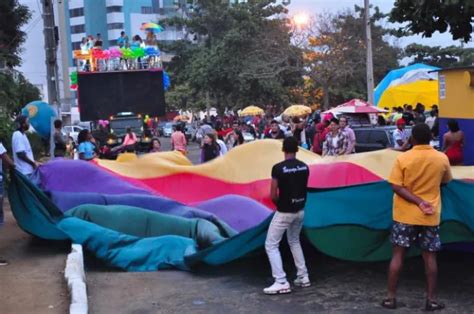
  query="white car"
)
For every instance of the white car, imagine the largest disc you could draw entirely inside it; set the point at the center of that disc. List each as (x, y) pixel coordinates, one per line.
(72, 131)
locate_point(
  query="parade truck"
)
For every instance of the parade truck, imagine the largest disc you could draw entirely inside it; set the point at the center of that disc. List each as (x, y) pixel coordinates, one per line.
(123, 98)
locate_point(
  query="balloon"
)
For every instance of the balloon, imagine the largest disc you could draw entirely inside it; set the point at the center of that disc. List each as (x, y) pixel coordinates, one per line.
(98, 53)
(73, 86)
(166, 81)
(138, 52)
(73, 77)
(152, 51)
(39, 113)
(115, 52)
(126, 53)
(106, 54)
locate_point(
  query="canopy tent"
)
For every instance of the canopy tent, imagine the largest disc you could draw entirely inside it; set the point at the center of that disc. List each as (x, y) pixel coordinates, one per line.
(355, 106)
(425, 92)
(396, 74)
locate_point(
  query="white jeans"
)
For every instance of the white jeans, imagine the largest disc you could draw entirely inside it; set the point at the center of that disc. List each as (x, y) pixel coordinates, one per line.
(292, 224)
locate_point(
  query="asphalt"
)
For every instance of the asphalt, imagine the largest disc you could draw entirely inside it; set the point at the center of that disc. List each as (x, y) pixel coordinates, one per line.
(33, 283)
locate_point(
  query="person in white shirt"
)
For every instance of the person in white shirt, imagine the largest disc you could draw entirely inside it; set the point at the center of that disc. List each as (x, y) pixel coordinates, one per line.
(5, 159)
(351, 138)
(400, 136)
(22, 152)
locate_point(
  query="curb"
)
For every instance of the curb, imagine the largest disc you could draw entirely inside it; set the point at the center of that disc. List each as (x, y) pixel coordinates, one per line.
(76, 280)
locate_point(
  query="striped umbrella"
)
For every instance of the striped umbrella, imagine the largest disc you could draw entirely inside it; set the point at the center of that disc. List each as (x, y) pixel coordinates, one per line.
(151, 27)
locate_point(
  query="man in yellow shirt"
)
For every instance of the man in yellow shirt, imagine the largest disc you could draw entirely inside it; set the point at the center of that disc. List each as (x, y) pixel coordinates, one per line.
(416, 179)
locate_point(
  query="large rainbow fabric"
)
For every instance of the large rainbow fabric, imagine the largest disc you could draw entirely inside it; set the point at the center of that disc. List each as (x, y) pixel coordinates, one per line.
(160, 211)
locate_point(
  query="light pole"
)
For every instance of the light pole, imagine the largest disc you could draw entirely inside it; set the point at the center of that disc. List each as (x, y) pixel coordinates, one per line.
(370, 65)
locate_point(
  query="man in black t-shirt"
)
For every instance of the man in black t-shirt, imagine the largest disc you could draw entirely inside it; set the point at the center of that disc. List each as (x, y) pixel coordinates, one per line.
(288, 192)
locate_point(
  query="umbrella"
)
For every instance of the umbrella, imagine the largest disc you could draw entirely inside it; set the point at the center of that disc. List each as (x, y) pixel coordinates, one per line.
(151, 27)
(297, 111)
(180, 118)
(355, 106)
(251, 111)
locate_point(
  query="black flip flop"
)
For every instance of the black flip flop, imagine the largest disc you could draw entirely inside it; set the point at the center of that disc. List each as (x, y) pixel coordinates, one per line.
(432, 306)
(390, 304)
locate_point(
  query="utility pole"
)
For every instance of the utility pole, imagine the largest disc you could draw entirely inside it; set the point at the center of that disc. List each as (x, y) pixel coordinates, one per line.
(50, 46)
(370, 64)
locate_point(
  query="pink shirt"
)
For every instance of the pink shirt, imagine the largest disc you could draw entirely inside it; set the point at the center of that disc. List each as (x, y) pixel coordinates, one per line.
(179, 141)
(129, 140)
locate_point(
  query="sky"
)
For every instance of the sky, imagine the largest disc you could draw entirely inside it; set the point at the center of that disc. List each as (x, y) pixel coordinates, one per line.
(313, 7)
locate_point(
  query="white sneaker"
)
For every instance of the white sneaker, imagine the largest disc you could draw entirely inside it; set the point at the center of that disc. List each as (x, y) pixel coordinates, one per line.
(278, 288)
(302, 282)
(3, 262)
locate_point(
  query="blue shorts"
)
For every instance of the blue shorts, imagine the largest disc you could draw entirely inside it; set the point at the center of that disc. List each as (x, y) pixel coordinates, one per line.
(425, 237)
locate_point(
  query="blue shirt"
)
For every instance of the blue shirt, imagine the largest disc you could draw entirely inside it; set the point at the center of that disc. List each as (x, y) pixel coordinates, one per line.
(87, 148)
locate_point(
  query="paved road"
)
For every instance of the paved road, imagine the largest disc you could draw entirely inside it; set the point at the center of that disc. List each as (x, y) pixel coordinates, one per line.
(33, 283)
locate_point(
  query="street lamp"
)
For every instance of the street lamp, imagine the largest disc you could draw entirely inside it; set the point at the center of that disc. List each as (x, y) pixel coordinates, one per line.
(301, 19)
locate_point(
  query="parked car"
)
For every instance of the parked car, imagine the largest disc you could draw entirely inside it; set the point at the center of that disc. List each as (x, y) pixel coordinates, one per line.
(160, 128)
(374, 138)
(168, 129)
(72, 131)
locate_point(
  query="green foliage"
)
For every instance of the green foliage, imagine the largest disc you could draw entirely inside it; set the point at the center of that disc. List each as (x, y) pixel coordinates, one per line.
(429, 16)
(336, 54)
(243, 56)
(6, 131)
(15, 93)
(12, 17)
(440, 56)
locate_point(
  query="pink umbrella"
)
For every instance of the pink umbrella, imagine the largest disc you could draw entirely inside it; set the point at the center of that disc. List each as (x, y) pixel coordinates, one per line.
(356, 106)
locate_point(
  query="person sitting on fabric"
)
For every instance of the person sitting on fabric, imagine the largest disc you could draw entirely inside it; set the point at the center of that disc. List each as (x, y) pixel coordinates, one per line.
(210, 148)
(336, 142)
(351, 138)
(275, 132)
(59, 139)
(416, 178)
(288, 192)
(322, 130)
(178, 140)
(129, 141)
(86, 149)
(453, 143)
(155, 145)
(401, 137)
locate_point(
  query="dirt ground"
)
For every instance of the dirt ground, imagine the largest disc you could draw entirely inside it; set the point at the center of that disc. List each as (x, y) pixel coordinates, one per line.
(33, 283)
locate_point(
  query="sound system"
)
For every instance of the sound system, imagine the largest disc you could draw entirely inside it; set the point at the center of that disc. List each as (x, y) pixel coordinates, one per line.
(104, 94)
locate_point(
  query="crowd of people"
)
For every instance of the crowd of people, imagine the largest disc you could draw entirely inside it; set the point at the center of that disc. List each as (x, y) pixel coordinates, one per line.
(415, 178)
(90, 43)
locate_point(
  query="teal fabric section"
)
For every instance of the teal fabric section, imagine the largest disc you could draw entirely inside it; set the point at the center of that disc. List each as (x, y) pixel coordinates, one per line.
(233, 248)
(145, 223)
(367, 205)
(353, 223)
(33, 211)
(129, 252)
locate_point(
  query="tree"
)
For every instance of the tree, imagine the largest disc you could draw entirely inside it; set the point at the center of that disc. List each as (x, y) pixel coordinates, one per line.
(440, 56)
(335, 54)
(12, 17)
(15, 92)
(429, 16)
(243, 54)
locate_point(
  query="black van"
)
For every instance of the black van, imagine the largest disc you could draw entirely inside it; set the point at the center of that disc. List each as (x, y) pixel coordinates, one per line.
(374, 138)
